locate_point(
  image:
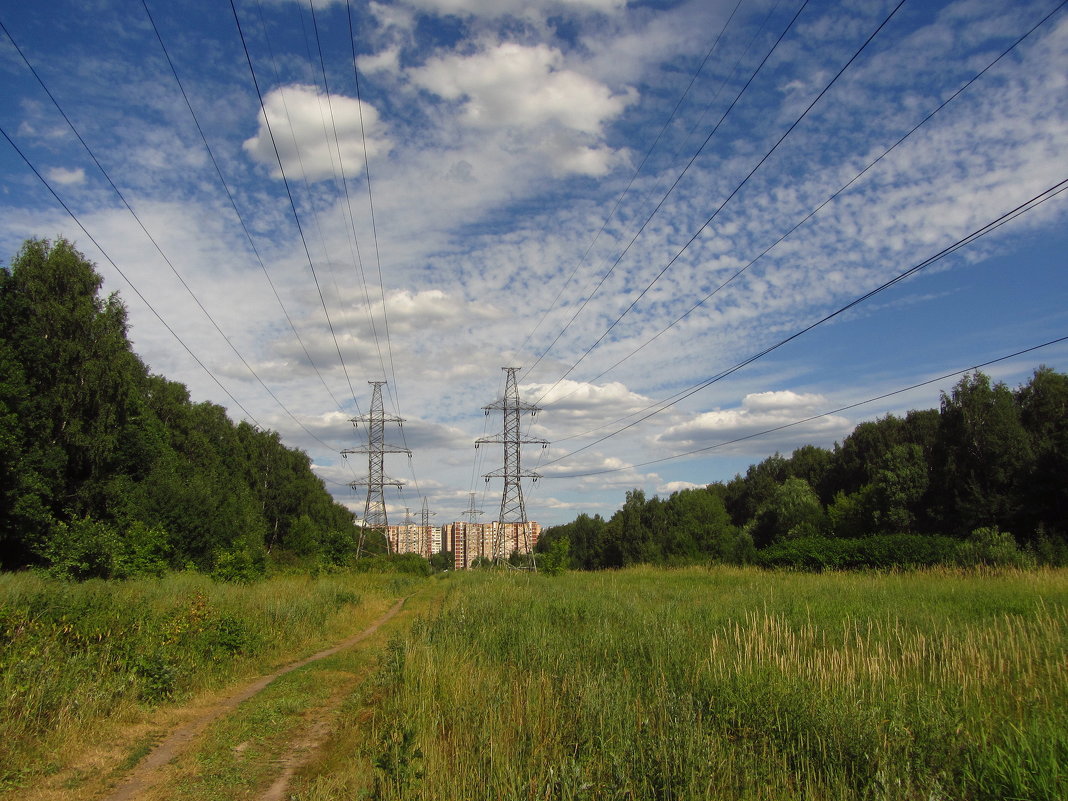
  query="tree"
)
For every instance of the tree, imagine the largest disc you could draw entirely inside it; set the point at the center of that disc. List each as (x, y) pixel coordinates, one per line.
(699, 518)
(1043, 405)
(984, 453)
(792, 510)
(897, 489)
(68, 374)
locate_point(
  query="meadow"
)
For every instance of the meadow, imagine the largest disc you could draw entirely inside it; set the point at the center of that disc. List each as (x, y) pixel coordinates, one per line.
(725, 683)
(79, 658)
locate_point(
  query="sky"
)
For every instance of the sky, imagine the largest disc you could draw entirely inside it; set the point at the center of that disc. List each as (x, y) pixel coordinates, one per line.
(627, 200)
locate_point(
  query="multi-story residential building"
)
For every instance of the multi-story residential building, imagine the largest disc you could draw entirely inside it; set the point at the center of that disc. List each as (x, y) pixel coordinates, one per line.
(469, 541)
(410, 538)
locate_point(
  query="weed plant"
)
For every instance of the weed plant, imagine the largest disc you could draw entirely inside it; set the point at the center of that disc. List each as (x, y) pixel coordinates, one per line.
(720, 684)
(75, 654)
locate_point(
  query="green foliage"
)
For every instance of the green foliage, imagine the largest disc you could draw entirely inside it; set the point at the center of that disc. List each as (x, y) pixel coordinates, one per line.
(989, 459)
(791, 510)
(992, 548)
(411, 564)
(558, 559)
(108, 471)
(442, 560)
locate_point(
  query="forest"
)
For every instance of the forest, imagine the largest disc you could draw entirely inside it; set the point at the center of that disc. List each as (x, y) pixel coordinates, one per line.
(107, 470)
(981, 480)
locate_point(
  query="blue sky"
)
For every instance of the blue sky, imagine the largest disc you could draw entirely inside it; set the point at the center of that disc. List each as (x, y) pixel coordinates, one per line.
(503, 140)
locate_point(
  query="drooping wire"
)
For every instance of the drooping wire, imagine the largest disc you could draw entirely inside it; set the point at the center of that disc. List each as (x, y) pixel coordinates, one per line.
(151, 238)
(293, 204)
(664, 199)
(233, 204)
(660, 406)
(733, 193)
(818, 208)
(814, 417)
(354, 238)
(630, 183)
(394, 390)
(126, 278)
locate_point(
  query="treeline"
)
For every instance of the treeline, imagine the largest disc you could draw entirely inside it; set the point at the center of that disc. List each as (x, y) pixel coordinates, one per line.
(107, 470)
(983, 479)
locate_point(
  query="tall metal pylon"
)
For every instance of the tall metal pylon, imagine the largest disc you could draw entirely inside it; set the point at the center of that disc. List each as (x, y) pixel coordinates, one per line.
(462, 551)
(513, 509)
(424, 530)
(374, 508)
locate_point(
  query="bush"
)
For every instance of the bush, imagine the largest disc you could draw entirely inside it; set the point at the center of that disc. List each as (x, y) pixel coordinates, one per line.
(992, 547)
(882, 551)
(411, 564)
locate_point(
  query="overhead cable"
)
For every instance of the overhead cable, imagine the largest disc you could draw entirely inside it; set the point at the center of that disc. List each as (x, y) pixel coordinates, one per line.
(126, 278)
(293, 204)
(667, 403)
(829, 199)
(734, 192)
(814, 417)
(663, 200)
(233, 204)
(148, 234)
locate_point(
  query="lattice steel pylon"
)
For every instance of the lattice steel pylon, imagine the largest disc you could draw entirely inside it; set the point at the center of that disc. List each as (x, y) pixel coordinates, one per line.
(513, 509)
(426, 540)
(374, 509)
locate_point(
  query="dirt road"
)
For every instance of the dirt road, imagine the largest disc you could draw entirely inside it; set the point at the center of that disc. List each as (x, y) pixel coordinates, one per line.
(150, 770)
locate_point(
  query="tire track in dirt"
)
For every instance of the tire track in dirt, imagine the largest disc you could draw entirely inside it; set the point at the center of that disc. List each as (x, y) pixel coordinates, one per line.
(149, 770)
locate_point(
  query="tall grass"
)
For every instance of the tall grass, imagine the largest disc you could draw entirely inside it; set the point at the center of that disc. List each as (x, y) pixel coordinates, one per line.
(731, 684)
(73, 655)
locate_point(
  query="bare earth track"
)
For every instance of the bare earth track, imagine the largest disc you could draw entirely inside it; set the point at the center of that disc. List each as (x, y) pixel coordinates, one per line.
(149, 770)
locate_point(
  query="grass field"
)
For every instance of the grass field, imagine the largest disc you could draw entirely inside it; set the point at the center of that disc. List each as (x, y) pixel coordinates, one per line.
(721, 684)
(78, 658)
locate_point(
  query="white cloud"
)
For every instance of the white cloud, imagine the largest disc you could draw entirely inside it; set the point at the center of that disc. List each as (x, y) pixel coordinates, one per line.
(759, 411)
(518, 85)
(65, 177)
(676, 486)
(531, 93)
(500, 8)
(304, 122)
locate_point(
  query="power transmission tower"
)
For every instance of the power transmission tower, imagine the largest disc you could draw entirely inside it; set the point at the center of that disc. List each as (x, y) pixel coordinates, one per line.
(374, 509)
(427, 545)
(462, 548)
(513, 509)
(471, 512)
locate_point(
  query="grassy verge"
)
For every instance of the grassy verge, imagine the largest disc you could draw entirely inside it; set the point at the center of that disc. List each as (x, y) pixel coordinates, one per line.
(245, 752)
(78, 657)
(728, 683)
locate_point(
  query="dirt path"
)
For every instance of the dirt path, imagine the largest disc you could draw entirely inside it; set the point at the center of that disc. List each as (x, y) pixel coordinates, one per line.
(149, 770)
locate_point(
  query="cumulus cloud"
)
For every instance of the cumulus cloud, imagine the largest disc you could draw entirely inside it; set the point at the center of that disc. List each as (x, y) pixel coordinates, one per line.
(758, 412)
(500, 8)
(676, 486)
(530, 91)
(65, 177)
(304, 122)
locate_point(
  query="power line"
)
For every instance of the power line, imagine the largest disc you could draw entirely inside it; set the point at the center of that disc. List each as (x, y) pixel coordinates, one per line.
(354, 240)
(845, 408)
(737, 189)
(667, 403)
(633, 178)
(151, 238)
(126, 278)
(233, 203)
(829, 199)
(663, 200)
(292, 202)
(395, 389)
